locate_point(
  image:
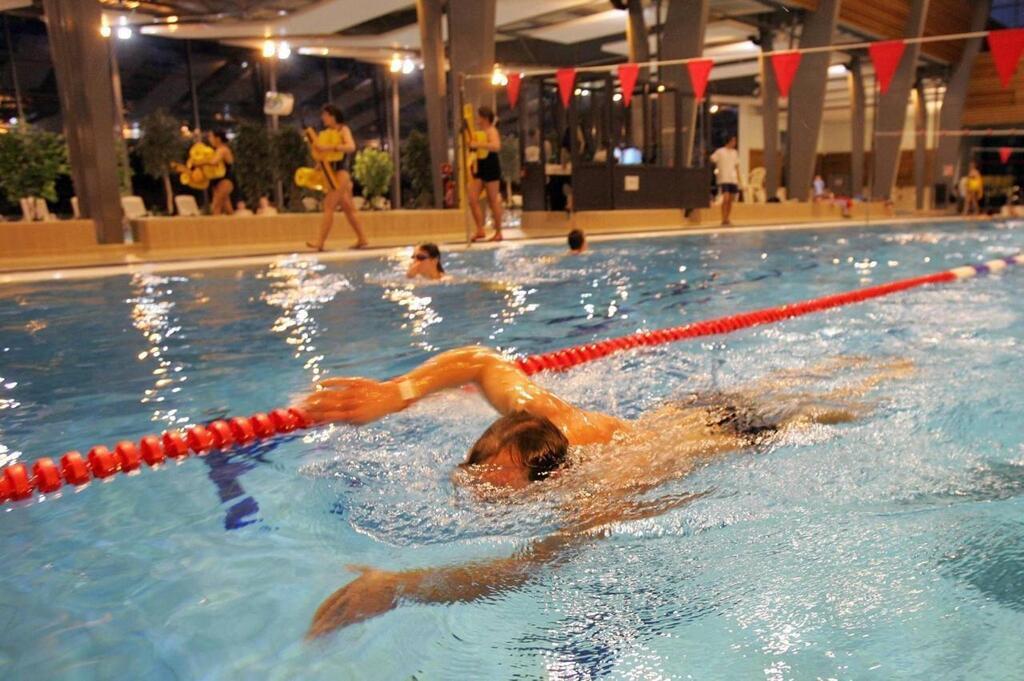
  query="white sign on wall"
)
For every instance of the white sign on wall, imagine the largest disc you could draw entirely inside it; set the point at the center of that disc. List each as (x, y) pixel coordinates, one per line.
(632, 183)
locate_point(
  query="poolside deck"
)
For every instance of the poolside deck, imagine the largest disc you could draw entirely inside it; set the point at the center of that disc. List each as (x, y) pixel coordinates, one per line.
(71, 244)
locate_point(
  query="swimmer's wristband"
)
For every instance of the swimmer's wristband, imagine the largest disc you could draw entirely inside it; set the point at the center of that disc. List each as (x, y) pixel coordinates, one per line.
(407, 391)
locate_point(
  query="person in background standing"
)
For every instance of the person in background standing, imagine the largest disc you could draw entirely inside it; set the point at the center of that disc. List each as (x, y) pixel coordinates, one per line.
(975, 190)
(727, 166)
(487, 176)
(332, 117)
(220, 202)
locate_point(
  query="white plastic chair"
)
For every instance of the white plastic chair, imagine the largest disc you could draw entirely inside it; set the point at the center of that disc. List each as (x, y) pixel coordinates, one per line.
(186, 205)
(133, 207)
(755, 186)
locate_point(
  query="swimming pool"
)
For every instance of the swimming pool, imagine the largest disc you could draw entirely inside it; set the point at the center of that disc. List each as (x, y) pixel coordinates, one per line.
(890, 547)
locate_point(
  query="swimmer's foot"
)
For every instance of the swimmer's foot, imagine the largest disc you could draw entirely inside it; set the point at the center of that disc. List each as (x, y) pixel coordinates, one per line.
(314, 246)
(497, 237)
(726, 223)
(360, 245)
(479, 236)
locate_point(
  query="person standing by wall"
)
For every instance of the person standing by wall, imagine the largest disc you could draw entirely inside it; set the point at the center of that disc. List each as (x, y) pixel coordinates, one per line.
(332, 118)
(727, 167)
(487, 175)
(975, 190)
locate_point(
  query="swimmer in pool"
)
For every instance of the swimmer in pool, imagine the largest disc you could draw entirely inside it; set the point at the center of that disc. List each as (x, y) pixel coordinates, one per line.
(542, 441)
(426, 263)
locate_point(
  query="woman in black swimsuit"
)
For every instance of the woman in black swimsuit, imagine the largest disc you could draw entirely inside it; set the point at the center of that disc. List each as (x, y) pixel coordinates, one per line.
(221, 203)
(486, 176)
(332, 117)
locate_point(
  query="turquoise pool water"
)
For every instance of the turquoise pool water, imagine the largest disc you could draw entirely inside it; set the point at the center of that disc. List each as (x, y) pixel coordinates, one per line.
(892, 547)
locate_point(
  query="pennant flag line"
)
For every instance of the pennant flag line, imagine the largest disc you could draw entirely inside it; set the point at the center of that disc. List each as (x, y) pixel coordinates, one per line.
(700, 70)
(785, 65)
(566, 80)
(886, 56)
(515, 80)
(1006, 47)
(627, 77)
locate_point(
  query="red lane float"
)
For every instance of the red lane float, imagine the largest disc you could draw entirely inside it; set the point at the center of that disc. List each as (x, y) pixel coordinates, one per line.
(17, 482)
(560, 360)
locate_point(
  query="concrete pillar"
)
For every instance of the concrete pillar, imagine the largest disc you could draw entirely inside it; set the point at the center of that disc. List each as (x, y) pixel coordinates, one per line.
(682, 37)
(807, 99)
(920, 143)
(858, 123)
(639, 52)
(770, 116)
(471, 45)
(430, 14)
(87, 103)
(892, 107)
(947, 153)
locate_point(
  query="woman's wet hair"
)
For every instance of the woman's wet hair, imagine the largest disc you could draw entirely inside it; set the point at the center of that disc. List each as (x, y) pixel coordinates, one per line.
(220, 133)
(487, 113)
(334, 112)
(534, 441)
(434, 252)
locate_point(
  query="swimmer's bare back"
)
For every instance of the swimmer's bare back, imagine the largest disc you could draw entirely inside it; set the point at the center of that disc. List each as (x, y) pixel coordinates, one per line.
(633, 468)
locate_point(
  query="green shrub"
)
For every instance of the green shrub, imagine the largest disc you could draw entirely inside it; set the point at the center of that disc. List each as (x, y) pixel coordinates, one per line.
(31, 160)
(373, 170)
(290, 152)
(416, 167)
(160, 145)
(254, 167)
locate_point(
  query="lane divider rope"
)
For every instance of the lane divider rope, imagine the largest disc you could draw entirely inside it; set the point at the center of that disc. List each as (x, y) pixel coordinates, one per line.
(19, 481)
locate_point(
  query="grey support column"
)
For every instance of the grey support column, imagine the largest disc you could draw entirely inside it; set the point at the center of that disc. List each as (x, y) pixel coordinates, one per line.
(435, 89)
(770, 117)
(807, 99)
(947, 154)
(682, 37)
(471, 40)
(639, 52)
(920, 142)
(858, 124)
(87, 103)
(892, 107)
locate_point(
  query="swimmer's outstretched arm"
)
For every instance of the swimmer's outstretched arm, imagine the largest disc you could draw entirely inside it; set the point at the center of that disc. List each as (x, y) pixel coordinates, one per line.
(374, 592)
(362, 400)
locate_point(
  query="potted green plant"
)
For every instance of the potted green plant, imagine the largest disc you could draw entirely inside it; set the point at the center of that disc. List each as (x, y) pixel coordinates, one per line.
(290, 152)
(31, 160)
(416, 166)
(254, 169)
(374, 170)
(160, 145)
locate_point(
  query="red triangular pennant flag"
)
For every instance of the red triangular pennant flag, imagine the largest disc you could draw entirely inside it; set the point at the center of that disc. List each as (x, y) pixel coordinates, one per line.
(514, 81)
(627, 78)
(699, 70)
(785, 65)
(1004, 154)
(566, 79)
(1006, 47)
(886, 55)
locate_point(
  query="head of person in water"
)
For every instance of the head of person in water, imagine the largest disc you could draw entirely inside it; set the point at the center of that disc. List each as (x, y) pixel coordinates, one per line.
(217, 137)
(517, 449)
(331, 116)
(484, 117)
(426, 262)
(577, 241)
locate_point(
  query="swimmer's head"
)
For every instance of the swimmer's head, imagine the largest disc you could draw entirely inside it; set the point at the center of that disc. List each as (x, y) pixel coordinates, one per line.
(577, 241)
(217, 136)
(519, 448)
(426, 262)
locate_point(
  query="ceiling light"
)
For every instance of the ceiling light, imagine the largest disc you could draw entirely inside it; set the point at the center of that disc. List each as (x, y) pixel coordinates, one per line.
(617, 97)
(836, 70)
(173, 19)
(105, 30)
(284, 50)
(578, 92)
(269, 48)
(396, 63)
(408, 66)
(498, 77)
(124, 33)
(661, 88)
(713, 109)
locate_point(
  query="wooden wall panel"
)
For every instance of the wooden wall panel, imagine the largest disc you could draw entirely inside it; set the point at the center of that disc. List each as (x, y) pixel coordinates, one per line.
(988, 104)
(887, 19)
